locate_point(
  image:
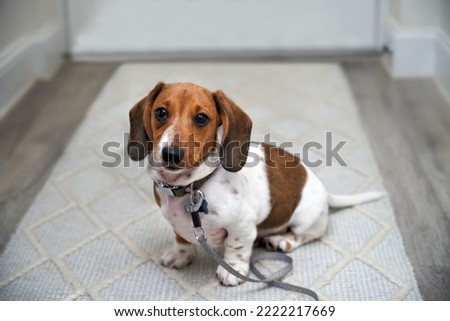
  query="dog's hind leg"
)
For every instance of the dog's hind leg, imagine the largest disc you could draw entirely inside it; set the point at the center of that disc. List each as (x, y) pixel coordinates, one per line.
(297, 235)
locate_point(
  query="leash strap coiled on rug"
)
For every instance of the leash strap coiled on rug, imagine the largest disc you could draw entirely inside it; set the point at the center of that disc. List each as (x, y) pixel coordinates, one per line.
(197, 204)
(272, 280)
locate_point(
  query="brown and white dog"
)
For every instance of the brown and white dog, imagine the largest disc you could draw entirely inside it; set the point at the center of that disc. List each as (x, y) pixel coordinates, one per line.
(254, 191)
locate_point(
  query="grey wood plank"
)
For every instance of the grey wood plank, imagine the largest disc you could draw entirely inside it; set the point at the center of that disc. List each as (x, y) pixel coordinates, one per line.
(406, 124)
(428, 114)
(34, 134)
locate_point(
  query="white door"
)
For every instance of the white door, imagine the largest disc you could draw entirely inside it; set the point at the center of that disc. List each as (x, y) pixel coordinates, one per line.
(140, 27)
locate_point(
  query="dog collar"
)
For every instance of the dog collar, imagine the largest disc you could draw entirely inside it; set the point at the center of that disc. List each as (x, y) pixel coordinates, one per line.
(180, 191)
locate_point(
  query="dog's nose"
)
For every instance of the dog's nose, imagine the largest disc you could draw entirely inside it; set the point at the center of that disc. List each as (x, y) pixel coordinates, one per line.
(172, 155)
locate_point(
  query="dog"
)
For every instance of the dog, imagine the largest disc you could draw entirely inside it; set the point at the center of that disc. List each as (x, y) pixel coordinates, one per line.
(256, 193)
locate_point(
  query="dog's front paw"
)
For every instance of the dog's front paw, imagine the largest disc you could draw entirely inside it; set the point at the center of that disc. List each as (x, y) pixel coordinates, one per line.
(228, 279)
(179, 256)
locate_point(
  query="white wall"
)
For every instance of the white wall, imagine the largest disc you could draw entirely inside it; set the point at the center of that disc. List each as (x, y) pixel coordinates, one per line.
(31, 45)
(419, 36)
(19, 18)
(102, 28)
(422, 14)
(416, 13)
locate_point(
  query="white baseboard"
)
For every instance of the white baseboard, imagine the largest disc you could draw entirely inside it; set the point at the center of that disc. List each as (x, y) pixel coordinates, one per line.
(33, 57)
(411, 51)
(419, 53)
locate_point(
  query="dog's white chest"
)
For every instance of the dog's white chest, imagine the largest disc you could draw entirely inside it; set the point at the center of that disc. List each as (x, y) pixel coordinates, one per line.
(175, 213)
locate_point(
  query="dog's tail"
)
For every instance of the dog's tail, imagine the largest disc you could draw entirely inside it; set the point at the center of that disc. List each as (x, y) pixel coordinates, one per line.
(350, 200)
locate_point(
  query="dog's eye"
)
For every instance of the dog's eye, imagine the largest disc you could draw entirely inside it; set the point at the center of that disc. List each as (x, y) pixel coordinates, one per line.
(161, 113)
(201, 119)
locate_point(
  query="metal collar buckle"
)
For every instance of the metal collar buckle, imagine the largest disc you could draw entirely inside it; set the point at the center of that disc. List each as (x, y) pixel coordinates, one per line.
(163, 185)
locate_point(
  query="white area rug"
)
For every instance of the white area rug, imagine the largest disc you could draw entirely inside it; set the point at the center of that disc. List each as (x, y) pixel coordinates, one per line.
(95, 233)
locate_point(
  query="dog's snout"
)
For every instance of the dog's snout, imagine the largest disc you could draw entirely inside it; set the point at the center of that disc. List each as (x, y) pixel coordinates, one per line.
(172, 155)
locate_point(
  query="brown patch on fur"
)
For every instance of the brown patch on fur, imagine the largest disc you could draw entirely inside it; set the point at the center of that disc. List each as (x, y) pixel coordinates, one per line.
(180, 240)
(157, 198)
(287, 176)
(235, 191)
(140, 141)
(237, 127)
(239, 248)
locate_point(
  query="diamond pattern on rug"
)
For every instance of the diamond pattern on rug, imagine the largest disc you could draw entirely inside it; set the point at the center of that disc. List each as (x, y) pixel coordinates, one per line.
(94, 231)
(87, 182)
(49, 200)
(136, 284)
(64, 231)
(358, 281)
(119, 205)
(362, 229)
(30, 285)
(18, 255)
(310, 268)
(99, 259)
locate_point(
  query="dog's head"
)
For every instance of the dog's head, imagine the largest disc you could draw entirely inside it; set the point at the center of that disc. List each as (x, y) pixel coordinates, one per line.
(181, 125)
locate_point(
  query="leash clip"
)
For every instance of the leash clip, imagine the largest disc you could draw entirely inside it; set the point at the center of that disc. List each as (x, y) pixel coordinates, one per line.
(196, 200)
(199, 233)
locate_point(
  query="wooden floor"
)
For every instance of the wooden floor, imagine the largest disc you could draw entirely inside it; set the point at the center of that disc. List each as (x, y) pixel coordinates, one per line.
(407, 121)
(408, 124)
(33, 135)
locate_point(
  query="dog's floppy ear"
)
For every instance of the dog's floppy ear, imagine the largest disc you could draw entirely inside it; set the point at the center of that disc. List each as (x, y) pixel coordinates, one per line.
(237, 127)
(139, 143)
